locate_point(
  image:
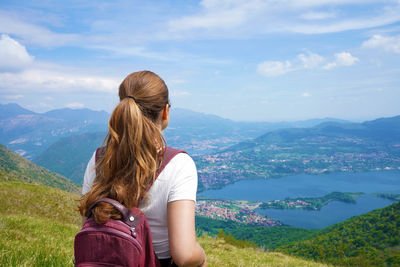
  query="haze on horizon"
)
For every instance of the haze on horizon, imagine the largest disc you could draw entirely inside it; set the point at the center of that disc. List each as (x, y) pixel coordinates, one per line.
(243, 60)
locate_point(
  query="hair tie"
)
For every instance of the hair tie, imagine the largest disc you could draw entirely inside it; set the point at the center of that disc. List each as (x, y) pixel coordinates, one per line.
(129, 96)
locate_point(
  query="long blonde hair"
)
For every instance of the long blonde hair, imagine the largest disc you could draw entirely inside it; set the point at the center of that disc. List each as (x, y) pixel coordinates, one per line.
(132, 146)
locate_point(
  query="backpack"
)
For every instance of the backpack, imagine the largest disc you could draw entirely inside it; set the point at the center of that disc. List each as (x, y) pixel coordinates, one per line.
(125, 242)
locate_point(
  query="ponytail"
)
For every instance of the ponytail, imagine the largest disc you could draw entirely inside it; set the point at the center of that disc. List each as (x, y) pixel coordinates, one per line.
(133, 147)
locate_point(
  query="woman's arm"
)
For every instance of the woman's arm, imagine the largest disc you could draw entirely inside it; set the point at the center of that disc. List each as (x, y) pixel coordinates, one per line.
(185, 250)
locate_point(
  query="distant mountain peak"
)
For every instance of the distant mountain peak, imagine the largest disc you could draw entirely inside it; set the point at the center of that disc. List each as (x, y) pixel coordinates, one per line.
(11, 110)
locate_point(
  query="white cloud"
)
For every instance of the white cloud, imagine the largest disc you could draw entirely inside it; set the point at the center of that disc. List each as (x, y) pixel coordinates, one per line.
(317, 15)
(273, 68)
(176, 81)
(45, 105)
(342, 59)
(33, 34)
(240, 18)
(178, 93)
(19, 72)
(14, 97)
(75, 105)
(122, 51)
(345, 24)
(41, 80)
(345, 59)
(13, 55)
(311, 60)
(389, 44)
(305, 94)
(304, 61)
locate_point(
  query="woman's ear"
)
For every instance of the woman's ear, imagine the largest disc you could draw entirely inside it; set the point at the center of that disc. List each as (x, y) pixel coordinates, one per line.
(165, 112)
(165, 117)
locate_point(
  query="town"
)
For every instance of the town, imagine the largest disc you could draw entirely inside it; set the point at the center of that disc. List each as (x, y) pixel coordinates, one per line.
(238, 211)
(318, 155)
(245, 211)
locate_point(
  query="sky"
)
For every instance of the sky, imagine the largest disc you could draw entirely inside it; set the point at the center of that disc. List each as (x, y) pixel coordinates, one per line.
(246, 60)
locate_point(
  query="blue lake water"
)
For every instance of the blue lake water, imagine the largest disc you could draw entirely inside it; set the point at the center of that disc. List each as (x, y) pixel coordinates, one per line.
(315, 186)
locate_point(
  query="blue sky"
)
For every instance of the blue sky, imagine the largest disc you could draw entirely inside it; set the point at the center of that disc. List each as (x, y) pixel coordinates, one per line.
(248, 60)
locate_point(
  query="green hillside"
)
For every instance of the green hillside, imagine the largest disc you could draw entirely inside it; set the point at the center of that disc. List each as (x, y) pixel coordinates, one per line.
(38, 225)
(267, 237)
(372, 239)
(16, 168)
(69, 155)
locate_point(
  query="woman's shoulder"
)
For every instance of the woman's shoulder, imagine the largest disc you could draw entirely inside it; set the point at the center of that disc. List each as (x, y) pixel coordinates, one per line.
(180, 161)
(90, 174)
(180, 167)
(181, 176)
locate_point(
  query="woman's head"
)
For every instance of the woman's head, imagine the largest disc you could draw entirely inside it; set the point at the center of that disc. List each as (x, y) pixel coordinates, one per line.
(132, 146)
(148, 89)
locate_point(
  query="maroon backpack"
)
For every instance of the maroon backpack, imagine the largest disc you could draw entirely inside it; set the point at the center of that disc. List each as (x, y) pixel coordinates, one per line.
(125, 242)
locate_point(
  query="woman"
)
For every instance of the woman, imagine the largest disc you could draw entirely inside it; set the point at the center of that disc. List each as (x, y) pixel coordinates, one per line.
(133, 151)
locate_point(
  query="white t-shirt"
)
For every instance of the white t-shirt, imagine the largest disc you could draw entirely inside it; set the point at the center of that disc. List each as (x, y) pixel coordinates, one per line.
(178, 181)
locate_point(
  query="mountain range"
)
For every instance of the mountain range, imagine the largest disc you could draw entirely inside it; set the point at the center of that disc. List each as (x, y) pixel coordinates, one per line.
(63, 140)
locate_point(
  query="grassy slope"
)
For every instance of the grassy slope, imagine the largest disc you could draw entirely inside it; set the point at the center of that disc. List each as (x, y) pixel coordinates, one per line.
(70, 155)
(16, 168)
(372, 239)
(38, 225)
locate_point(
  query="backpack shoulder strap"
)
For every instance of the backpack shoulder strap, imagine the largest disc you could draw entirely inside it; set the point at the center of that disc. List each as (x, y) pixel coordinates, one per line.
(169, 154)
(127, 217)
(100, 153)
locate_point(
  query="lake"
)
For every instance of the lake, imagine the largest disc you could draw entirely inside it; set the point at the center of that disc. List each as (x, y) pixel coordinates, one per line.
(315, 186)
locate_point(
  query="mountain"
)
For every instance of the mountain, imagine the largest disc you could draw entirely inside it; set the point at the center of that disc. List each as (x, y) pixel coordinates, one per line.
(16, 168)
(79, 115)
(199, 133)
(383, 130)
(12, 110)
(29, 133)
(38, 225)
(372, 239)
(327, 147)
(49, 139)
(70, 155)
(194, 132)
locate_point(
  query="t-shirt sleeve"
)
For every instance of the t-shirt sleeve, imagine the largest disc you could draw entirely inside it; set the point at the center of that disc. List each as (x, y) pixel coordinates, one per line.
(90, 174)
(184, 183)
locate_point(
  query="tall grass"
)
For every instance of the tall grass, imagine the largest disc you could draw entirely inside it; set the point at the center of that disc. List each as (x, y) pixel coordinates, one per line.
(28, 241)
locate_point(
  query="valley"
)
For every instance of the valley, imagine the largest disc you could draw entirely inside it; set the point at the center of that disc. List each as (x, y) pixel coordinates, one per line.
(313, 165)
(322, 149)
